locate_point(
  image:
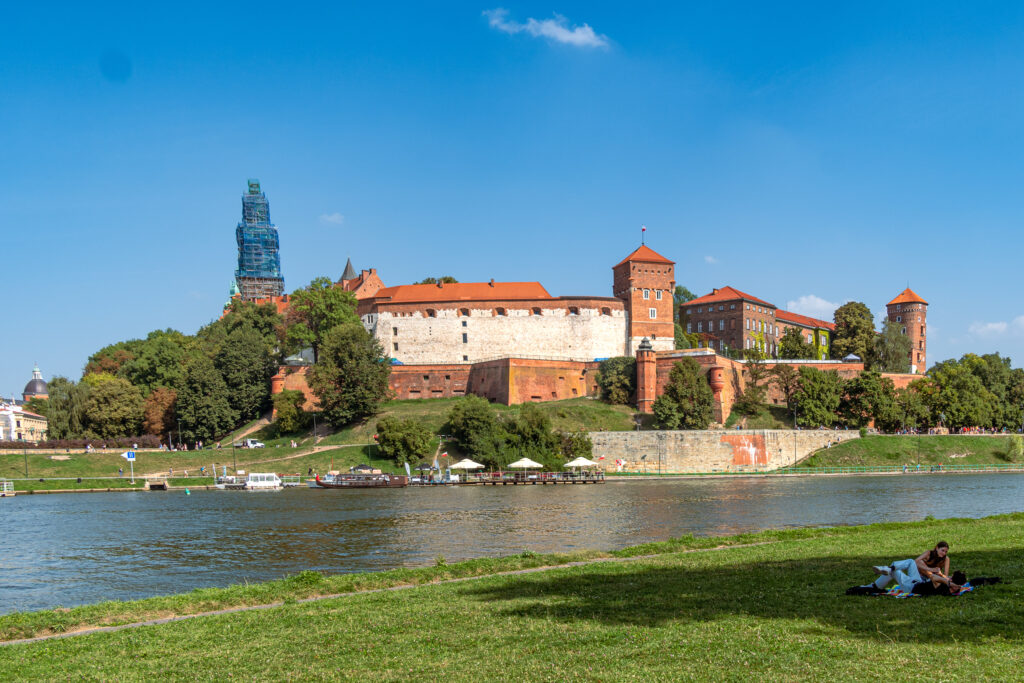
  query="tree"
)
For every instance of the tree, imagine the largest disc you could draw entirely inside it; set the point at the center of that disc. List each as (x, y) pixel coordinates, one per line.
(855, 331)
(158, 360)
(37, 405)
(529, 435)
(962, 399)
(751, 399)
(158, 411)
(870, 397)
(575, 445)
(289, 416)
(203, 409)
(111, 358)
(912, 404)
(475, 427)
(246, 364)
(683, 339)
(66, 411)
(351, 378)
(786, 379)
(891, 350)
(617, 379)
(445, 280)
(113, 409)
(817, 399)
(263, 318)
(687, 401)
(792, 345)
(314, 311)
(403, 440)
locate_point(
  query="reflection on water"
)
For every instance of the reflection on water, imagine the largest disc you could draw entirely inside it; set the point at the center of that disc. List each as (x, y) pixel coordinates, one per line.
(82, 548)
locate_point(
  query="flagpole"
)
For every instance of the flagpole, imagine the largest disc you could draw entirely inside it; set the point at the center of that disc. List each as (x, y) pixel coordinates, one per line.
(643, 234)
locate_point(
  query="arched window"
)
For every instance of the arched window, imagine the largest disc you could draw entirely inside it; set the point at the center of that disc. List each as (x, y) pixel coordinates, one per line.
(431, 313)
(499, 311)
(573, 310)
(535, 311)
(464, 312)
(606, 311)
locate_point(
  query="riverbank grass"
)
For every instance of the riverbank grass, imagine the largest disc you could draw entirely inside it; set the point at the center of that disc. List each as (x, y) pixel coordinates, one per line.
(767, 605)
(875, 450)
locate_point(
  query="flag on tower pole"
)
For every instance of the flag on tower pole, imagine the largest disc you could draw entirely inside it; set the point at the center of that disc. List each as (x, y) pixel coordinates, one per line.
(643, 231)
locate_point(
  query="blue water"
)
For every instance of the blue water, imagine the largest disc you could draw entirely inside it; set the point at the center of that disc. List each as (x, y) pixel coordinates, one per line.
(70, 549)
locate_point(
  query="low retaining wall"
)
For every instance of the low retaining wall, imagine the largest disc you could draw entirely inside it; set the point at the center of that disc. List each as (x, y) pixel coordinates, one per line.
(721, 450)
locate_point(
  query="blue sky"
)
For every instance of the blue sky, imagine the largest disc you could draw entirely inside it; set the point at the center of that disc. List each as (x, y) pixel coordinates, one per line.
(802, 153)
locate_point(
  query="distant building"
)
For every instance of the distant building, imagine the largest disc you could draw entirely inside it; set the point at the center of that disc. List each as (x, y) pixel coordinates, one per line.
(910, 313)
(259, 262)
(36, 387)
(17, 424)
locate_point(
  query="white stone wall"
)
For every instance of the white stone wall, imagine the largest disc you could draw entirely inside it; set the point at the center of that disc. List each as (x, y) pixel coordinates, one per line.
(553, 334)
(659, 344)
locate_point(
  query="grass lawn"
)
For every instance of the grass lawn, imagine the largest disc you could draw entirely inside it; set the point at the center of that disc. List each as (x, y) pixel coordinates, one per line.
(927, 450)
(770, 417)
(772, 611)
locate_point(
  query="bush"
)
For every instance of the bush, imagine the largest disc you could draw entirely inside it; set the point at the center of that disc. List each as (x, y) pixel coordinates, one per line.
(290, 417)
(121, 442)
(403, 440)
(1015, 450)
(617, 379)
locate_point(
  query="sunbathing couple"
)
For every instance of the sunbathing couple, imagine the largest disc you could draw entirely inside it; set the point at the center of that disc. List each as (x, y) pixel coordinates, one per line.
(928, 574)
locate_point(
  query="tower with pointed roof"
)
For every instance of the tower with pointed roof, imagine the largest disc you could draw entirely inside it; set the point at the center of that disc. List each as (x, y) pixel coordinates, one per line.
(645, 280)
(909, 312)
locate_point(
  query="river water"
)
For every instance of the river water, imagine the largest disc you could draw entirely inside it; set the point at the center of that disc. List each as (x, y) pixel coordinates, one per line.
(71, 549)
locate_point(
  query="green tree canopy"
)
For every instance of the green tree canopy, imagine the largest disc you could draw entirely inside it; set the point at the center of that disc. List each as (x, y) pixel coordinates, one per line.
(203, 408)
(289, 416)
(792, 345)
(617, 379)
(913, 404)
(351, 377)
(529, 435)
(687, 401)
(314, 311)
(870, 397)
(474, 425)
(444, 280)
(817, 399)
(855, 331)
(403, 441)
(158, 412)
(159, 360)
(113, 409)
(891, 349)
(66, 412)
(786, 379)
(246, 364)
(263, 318)
(962, 399)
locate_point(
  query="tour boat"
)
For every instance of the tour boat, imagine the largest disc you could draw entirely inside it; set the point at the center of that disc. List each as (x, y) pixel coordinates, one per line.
(230, 482)
(6, 489)
(359, 480)
(262, 481)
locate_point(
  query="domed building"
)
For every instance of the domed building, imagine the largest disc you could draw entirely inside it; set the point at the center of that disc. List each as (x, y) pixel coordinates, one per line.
(36, 387)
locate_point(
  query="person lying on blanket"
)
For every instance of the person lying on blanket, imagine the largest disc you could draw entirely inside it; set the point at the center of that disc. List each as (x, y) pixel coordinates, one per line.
(930, 566)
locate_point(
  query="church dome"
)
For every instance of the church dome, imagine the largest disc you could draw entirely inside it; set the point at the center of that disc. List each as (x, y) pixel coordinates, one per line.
(36, 386)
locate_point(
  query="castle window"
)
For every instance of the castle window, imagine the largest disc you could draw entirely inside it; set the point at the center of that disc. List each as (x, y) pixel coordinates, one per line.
(499, 311)
(922, 330)
(606, 311)
(465, 338)
(431, 313)
(700, 327)
(465, 358)
(688, 328)
(647, 294)
(899, 319)
(657, 295)
(394, 331)
(535, 311)
(464, 311)
(721, 324)
(447, 376)
(574, 310)
(920, 344)
(746, 323)
(732, 307)
(464, 323)
(722, 307)
(426, 377)
(653, 312)
(395, 345)
(904, 330)
(700, 310)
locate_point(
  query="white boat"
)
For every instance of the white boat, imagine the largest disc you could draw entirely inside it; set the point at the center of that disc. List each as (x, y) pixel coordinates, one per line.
(6, 488)
(262, 481)
(229, 481)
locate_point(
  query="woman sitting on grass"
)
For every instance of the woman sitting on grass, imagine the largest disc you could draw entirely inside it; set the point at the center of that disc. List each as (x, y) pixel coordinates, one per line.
(930, 565)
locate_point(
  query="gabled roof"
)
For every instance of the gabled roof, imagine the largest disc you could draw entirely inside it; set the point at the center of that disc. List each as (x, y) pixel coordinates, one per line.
(727, 294)
(462, 291)
(645, 254)
(349, 273)
(803, 320)
(907, 296)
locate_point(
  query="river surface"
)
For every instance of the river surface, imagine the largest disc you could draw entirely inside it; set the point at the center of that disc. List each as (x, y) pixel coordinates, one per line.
(71, 549)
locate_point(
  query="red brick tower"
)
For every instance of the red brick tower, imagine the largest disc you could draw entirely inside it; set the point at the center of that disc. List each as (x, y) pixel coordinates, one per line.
(910, 313)
(645, 280)
(646, 377)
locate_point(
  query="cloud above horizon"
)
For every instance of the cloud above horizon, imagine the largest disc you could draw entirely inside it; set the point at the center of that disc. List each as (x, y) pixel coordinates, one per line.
(710, 259)
(997, 328)
(813, 306)
(332, 218)
(556, 29)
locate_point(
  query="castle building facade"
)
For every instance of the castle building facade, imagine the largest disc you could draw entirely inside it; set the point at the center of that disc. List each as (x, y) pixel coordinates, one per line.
(910, 312)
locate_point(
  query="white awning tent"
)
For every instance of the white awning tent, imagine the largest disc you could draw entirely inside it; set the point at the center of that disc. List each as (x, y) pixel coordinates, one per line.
(466, 464)
(581, 462)
(526, 464)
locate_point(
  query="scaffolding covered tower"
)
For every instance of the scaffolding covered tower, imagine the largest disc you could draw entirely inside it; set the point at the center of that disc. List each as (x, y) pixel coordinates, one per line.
(259, 261)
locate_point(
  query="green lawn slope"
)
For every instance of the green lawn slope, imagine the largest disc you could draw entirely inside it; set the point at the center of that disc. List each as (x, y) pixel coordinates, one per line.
(767, 606)
(875, 450)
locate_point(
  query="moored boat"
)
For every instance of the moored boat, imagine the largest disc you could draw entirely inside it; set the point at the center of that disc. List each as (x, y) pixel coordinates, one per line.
(262, 481)
(358, 480)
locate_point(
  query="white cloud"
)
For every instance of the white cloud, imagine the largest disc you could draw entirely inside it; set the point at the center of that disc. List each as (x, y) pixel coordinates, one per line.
(813, 306)
(556, 29)
(710, 259)
(1018, 324)
(987, 329)
(332, 218)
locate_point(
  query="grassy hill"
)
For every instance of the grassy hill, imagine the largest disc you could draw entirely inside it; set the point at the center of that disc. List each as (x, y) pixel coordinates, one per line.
(911, 450)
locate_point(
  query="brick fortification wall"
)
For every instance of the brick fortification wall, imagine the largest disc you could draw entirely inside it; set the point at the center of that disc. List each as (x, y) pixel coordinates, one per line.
(721, 450)
(506, 380)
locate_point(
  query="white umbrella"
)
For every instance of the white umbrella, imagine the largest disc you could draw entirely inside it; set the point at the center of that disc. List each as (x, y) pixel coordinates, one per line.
(581, 462)
(466, 464)
(526, 463)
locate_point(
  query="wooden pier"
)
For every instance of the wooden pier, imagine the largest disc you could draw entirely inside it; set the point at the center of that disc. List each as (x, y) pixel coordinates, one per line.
(518, 479)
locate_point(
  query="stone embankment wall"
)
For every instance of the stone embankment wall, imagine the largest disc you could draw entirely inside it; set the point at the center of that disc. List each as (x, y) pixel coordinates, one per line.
(721, 450)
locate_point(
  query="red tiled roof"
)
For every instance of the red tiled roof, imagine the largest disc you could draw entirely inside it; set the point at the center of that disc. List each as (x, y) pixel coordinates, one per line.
(803, 320)
(645, 254)
(726, 294)
(462, 291)
(908, 296)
